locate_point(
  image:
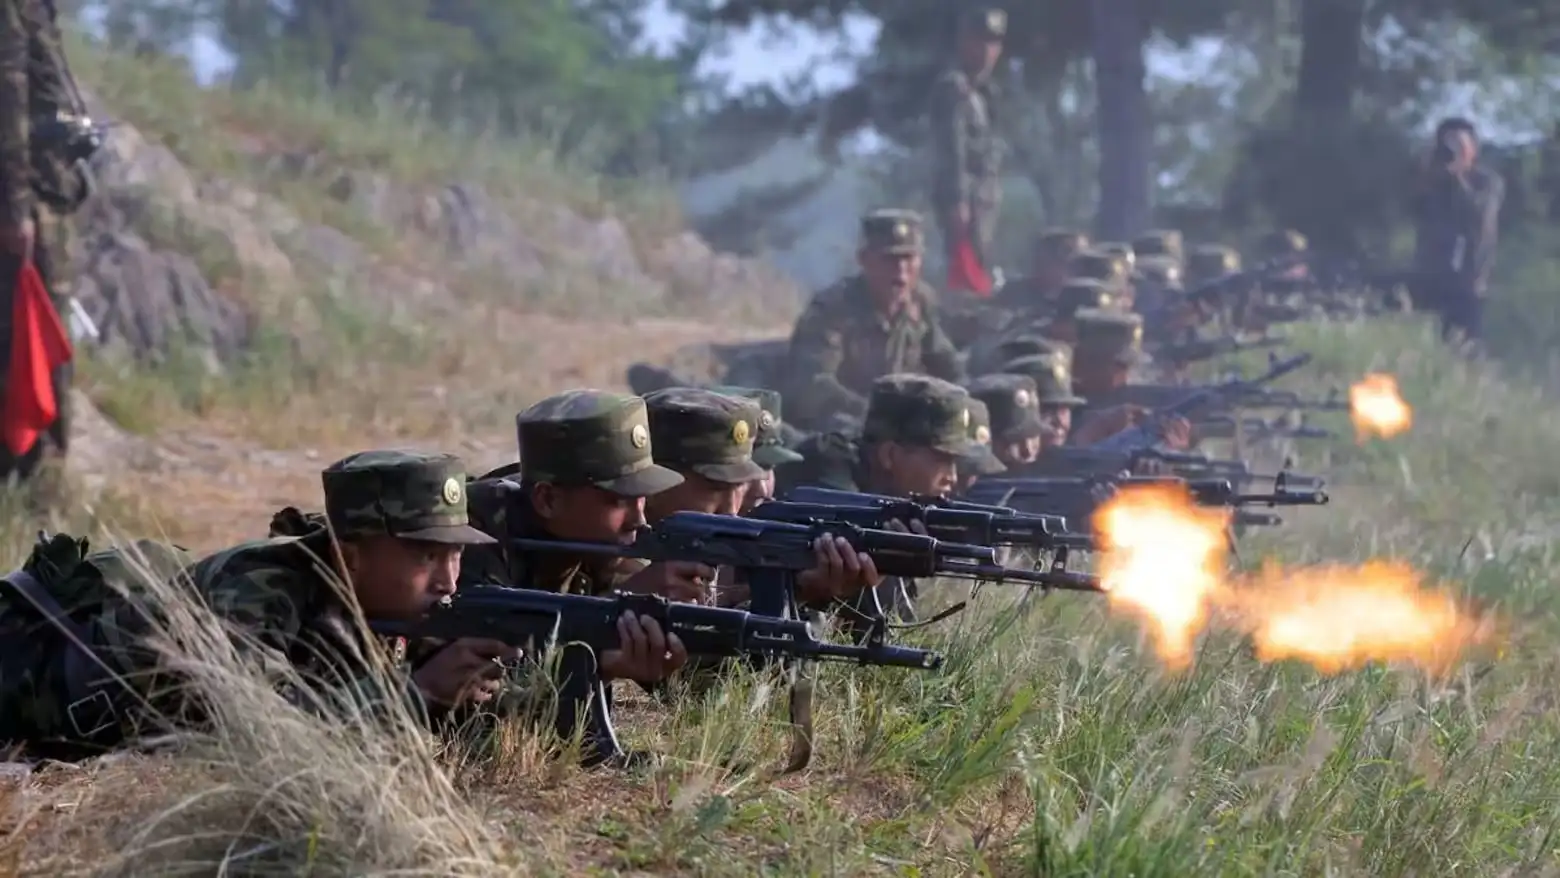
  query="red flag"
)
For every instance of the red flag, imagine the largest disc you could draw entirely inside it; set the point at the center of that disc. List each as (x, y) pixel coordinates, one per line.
(39, 345)
(965, 273)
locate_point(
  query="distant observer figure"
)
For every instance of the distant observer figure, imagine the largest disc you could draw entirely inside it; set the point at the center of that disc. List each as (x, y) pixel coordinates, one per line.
(968, 152)
(44, 143)
(1457, 206)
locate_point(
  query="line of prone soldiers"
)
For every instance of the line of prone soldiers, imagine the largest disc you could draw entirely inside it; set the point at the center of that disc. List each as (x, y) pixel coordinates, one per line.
(82, 668)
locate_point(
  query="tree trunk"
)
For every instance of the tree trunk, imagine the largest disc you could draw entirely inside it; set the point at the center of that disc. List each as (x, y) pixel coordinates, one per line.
(1332, 49)
(1124, 129)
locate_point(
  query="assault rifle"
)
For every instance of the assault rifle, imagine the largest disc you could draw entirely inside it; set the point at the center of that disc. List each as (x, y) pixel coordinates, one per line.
(1151, 432)
(956, 520)
(1080, 497)
(1185, 353)
(829, 516)
(582, 626)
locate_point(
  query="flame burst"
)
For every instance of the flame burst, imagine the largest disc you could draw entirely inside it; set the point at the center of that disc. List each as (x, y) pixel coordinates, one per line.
(1164, 562)
(1377, 408)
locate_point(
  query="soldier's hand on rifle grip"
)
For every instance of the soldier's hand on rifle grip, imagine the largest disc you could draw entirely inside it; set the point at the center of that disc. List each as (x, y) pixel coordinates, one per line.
(915, 526)
(645, 653)
(1178, 433)
(468, 669)
(841, 572)
(683, 581)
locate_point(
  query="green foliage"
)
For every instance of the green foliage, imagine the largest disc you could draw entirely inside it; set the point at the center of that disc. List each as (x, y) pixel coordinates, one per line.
(566, 69)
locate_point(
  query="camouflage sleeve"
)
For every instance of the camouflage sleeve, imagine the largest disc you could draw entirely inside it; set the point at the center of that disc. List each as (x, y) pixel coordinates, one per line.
(1485, 231)
(950, 144)
(941, 359)
(817, 352)
(15, 125)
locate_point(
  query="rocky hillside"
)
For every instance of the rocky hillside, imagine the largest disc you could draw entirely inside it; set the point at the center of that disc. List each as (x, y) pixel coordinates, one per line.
(277, 280)
(172, 253)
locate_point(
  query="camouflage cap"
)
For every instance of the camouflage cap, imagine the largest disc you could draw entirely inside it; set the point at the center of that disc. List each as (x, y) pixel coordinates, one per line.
(1081, 294)
(769, 449)
(1162, 271)
(918, 410)
(1101, 265)
(701, 431)
(1013, 402)
(1121, 249)
(1033, 345)
(1051, 377)
(986, 22)
(1112, 334)
(1284, 242)
(892, 231)
(1160, 242)
(591, 437)
(1061, 242)
(405, 494)
(978, 459)
(1212, 260)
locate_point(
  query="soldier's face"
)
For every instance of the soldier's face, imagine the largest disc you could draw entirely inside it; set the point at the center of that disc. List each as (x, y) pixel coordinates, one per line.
(1018, 451)
(890, 276)
(399, 579)
(909, 469)
(697, 494)
(758, 491)
(1058, 426)
(588, 513)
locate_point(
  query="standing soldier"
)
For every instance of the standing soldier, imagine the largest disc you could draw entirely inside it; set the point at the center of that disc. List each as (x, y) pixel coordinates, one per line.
(876, 322)
(45, 140)
(968, 160)
(1457, 204)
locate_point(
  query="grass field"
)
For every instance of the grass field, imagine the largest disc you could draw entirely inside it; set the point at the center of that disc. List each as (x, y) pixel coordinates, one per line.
(1053, 743)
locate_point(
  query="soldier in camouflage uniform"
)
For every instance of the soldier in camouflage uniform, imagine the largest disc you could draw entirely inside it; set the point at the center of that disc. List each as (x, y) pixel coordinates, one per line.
(770, 448)
(1288, 250)
(40, 185)
(1048, 272)
(880, 321)
(1108, 268)
(1013, 407)
(980, 459)
(1158, 284)
(1210, 262)
(396, 529)
(1110, 350)
(708, 439)
(966, 190)
(1121, 250)
(586, 467)
(1160, 243)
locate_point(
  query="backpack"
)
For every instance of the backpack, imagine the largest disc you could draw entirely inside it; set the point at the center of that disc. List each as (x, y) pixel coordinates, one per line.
(54, 597)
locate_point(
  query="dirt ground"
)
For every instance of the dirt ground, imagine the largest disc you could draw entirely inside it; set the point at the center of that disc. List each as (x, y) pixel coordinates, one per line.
(206, 485)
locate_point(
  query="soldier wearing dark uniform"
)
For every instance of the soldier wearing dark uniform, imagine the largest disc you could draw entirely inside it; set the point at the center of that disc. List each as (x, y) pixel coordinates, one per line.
(42, 181)
(966, 189)
(880, 321)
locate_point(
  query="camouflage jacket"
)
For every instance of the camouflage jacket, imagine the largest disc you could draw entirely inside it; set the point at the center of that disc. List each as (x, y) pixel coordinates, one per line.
(502, 516)
(32, 86)
(841, 344)
(295, 629)
(968, 152)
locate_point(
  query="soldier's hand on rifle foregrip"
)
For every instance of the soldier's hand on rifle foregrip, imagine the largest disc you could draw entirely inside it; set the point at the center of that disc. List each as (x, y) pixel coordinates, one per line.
(645, 653)
(841, 572)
